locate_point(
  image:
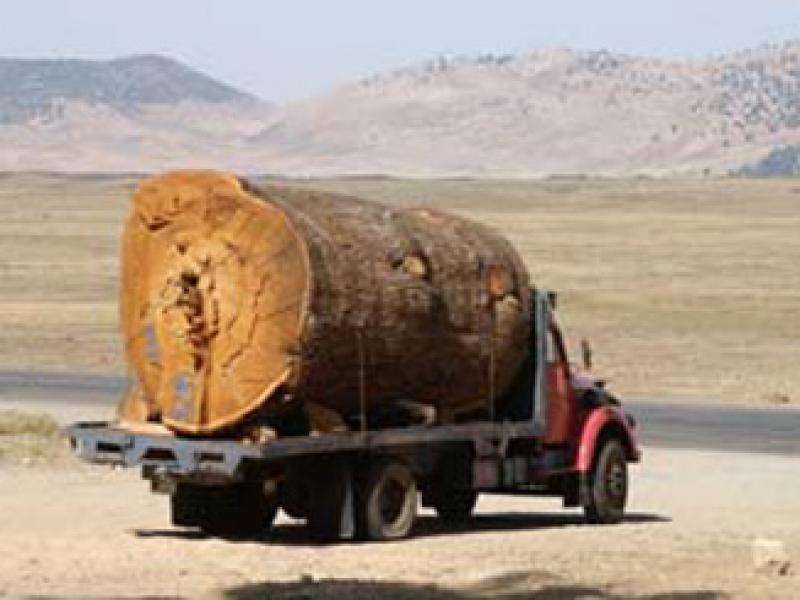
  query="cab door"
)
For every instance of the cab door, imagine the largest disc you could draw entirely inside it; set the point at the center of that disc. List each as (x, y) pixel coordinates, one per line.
(560, 411)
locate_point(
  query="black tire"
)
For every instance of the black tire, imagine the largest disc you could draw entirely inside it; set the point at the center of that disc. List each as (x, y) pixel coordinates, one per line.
(387, 502)
(233, 511)
(455, 507)
(606, 489)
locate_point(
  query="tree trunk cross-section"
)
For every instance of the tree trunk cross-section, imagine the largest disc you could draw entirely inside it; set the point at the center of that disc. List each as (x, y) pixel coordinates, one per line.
(237, 301)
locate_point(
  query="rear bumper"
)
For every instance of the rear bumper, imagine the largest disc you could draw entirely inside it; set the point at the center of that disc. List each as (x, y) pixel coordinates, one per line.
(102, 443)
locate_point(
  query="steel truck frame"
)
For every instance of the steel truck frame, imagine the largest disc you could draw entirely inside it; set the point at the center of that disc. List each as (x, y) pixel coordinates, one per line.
(560, 434)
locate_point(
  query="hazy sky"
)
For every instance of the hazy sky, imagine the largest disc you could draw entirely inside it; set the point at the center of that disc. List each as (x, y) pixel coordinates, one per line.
(290, 48)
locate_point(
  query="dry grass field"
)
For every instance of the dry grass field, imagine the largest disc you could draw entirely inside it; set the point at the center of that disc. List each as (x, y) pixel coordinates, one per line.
(687, 288)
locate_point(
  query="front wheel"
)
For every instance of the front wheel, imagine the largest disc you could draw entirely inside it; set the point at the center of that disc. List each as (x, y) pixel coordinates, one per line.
(606, 489)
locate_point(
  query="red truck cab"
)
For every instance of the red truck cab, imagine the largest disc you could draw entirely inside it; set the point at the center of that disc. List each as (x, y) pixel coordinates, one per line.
(584, 420)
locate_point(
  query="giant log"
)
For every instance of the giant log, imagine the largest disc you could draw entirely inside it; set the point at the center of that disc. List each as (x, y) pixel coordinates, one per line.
(238, 302)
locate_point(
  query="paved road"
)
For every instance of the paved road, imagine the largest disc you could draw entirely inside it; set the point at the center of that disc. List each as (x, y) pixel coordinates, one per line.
(768, 429)
(67, 396)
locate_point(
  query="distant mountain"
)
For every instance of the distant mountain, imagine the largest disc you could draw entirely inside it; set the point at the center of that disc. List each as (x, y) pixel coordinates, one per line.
(143, 112)
(546, 112)
(541, 113)
(38, 88)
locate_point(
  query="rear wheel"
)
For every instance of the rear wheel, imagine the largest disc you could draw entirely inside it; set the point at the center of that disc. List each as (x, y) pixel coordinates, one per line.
(240, 510)
(387, 502)
(607, 484)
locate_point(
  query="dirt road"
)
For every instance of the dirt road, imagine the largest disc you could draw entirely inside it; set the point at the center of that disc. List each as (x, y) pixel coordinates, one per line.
(76, 531)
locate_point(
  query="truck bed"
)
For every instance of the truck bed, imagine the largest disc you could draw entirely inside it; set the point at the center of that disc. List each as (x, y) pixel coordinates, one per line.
(107, 443)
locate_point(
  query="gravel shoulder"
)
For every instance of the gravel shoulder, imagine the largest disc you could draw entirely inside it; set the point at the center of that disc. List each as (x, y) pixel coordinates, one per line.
(77, 531)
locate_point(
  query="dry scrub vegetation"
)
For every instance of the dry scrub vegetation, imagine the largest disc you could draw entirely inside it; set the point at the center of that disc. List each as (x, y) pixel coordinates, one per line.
(687, 288)
(30, 438)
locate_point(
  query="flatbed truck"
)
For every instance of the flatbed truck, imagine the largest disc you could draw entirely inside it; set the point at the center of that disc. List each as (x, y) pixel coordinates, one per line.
(560, 434)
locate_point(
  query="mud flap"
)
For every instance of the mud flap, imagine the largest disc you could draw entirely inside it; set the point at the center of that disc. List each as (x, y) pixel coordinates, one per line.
(573, 490)
(331, 502)
(584, 489)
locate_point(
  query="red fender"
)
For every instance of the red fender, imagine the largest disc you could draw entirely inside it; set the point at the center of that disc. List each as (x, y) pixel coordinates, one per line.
(594, 424)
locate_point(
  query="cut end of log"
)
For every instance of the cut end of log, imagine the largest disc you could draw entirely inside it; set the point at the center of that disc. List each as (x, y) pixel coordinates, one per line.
(215, 282)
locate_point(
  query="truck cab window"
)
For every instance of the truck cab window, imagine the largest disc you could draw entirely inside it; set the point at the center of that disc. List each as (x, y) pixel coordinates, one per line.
(554, 346)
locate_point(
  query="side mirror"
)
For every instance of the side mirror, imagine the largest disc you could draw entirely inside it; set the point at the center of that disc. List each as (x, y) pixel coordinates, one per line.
(586, 354)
